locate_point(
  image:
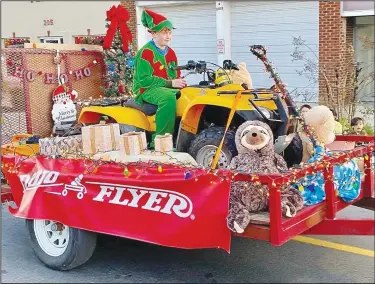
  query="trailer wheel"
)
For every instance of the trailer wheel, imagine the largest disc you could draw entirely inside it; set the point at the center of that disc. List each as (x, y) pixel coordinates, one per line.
(58, 246)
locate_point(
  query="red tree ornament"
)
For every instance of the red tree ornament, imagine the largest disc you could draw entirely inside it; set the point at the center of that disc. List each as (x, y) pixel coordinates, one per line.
(121, 88)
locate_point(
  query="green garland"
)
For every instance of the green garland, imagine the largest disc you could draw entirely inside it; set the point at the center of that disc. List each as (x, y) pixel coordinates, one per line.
(260, 52)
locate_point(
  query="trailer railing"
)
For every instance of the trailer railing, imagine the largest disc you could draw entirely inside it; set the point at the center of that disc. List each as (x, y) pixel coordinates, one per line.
(321, 218)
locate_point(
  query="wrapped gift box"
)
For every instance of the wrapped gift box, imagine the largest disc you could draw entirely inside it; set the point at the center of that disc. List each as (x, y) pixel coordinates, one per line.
(100, 138)
(142, 137)
(60, 145)
(133, 143)
(164, 143)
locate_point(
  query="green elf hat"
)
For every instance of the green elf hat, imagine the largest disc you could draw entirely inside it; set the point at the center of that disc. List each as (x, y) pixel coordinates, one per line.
(154, 21)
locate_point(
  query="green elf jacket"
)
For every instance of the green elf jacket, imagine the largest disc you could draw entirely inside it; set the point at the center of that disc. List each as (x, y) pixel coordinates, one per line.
(152, 74)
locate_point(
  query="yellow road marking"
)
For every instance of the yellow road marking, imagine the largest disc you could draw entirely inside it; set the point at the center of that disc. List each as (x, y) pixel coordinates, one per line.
(317, 242)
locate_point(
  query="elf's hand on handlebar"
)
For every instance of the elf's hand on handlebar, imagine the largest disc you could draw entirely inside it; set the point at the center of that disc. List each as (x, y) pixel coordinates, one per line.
(179, 83)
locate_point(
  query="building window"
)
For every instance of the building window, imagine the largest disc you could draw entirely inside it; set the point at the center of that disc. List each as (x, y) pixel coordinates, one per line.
(89, 39)
(15, 42)
(54, 39)
(364, 29)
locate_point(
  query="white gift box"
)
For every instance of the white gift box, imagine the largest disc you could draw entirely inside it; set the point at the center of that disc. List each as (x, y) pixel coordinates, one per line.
(100, 138)
(133, 143)
(143, 138)
(164, 143)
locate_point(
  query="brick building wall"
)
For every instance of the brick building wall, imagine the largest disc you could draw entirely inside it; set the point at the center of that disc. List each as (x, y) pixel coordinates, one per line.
(335, 36)
(132, 23)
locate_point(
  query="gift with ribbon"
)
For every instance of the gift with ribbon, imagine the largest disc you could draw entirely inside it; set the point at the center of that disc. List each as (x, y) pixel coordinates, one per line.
(118, 16)
(164, 143)
(133, 143)
(100, 138)
(60, 145)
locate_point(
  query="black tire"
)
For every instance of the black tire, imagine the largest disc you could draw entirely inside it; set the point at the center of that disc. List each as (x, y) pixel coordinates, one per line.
(213, 136)
(80, 247)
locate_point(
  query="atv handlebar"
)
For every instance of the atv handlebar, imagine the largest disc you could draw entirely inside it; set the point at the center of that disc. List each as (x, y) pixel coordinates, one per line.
(201, 66)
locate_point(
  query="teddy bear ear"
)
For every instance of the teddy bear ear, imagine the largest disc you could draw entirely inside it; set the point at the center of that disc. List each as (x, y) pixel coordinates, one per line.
(242, 65)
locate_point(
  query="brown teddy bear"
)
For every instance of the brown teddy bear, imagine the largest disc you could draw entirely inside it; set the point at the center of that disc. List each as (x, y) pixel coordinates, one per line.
(254, 141)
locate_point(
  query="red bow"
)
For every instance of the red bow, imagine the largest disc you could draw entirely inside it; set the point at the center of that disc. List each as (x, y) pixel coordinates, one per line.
(118, 17)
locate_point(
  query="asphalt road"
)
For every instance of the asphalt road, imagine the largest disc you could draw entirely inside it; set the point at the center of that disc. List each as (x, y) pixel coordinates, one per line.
(126, 261)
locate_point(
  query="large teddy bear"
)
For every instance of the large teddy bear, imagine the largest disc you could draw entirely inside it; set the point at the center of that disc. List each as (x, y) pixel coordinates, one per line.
(254, 141)
(320, 128)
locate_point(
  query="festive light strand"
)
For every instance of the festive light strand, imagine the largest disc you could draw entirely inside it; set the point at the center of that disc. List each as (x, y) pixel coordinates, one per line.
(102, 100)
(191, 171)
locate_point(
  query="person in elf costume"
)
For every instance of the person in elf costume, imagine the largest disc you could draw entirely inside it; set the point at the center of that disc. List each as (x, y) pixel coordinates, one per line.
(154, 80)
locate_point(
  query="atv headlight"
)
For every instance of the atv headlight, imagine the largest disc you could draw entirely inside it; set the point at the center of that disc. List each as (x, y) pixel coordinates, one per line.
(265, 111)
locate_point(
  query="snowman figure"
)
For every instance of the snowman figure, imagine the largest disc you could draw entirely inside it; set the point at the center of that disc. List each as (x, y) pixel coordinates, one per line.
(64, 112)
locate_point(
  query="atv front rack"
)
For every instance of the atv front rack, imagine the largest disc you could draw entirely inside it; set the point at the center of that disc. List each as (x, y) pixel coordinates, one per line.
(321, 218)
(283, 112)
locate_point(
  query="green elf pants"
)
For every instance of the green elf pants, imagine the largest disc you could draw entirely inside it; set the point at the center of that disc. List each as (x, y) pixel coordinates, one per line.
(165, 99)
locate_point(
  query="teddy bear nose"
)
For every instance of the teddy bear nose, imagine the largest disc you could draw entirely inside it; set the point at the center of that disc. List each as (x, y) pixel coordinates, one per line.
(254, 134)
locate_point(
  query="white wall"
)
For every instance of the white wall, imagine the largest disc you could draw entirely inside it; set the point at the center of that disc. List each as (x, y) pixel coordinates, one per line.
(163, 3)
(70, 18)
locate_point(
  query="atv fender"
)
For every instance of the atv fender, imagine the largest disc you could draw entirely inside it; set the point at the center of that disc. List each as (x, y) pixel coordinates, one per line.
(192, 115)
(122, 115)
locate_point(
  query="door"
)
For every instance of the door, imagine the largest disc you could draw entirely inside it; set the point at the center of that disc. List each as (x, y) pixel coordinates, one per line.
(195, 35)
(274, 24)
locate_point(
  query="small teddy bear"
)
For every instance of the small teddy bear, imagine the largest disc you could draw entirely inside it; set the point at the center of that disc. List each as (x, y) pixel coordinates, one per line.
(254, 141)
(242, 76)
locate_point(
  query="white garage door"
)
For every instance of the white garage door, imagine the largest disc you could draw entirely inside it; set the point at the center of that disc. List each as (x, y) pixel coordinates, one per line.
(195, 35)
(274, 24)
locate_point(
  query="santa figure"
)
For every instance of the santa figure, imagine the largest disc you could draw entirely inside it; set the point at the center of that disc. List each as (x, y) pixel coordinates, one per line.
(64, 111)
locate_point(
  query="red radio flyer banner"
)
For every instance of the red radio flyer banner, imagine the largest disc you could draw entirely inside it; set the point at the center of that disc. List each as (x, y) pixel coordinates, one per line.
(166, 205)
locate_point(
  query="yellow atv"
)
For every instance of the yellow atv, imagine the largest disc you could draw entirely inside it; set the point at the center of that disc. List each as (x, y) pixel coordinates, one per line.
(202, 113)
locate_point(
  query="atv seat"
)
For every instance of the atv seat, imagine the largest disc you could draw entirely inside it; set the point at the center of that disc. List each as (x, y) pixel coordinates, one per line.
(146, 108)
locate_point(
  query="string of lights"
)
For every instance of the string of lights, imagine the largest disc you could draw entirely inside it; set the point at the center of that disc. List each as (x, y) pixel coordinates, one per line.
(101, 100)
(140, 168)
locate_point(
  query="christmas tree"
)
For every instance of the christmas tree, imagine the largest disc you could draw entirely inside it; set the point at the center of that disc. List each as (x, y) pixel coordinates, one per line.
(118, 55)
